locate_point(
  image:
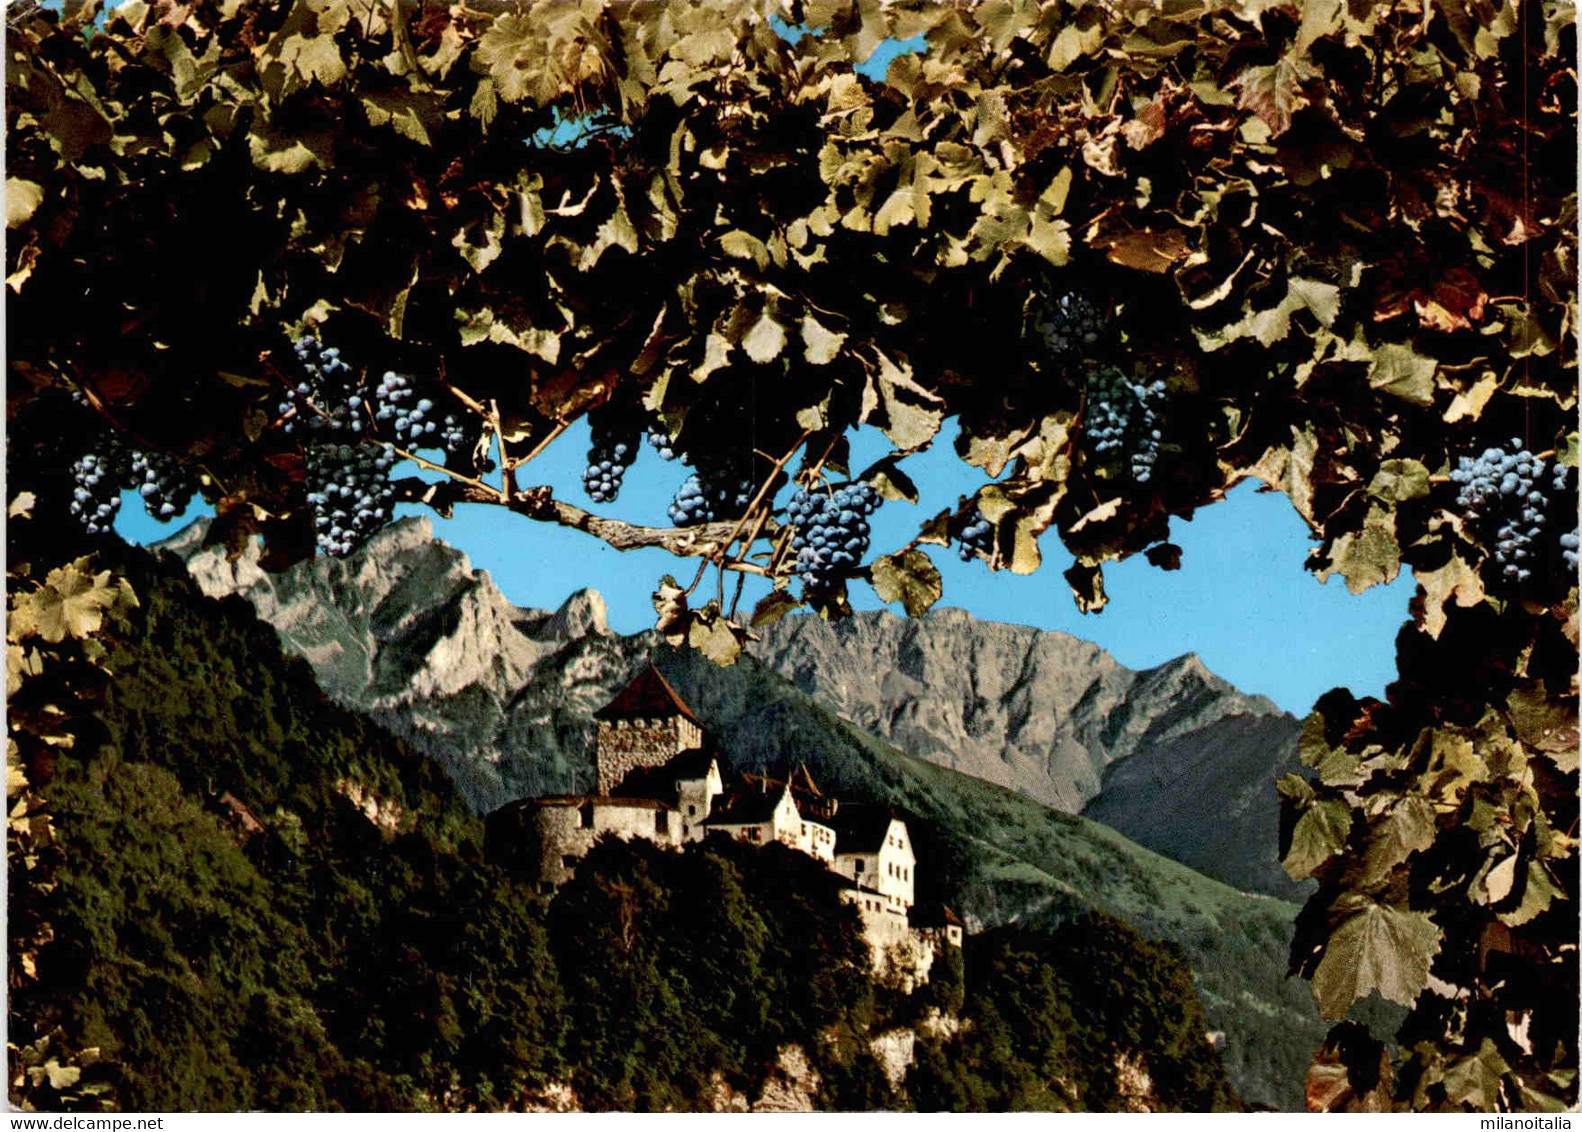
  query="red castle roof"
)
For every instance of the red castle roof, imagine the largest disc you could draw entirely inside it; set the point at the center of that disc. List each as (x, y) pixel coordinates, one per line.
(648, 696)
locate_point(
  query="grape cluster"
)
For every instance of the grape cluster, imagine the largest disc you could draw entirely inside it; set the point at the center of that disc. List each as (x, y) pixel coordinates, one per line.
(1124, 417)
(99, 476)
(1071, 324)
(831, 530)
(96, 494)
(326, 401)
(668, 449)
(352, 496)
(1502, 495)
(162, 482)
(1568, 550)
(712, 493)
(615, 441)
(413, 422)
(976, 537)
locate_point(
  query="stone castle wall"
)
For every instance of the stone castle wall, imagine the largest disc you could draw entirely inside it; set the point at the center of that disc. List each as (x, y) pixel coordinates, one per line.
(627, 744)
(567, 829)
(896, 949)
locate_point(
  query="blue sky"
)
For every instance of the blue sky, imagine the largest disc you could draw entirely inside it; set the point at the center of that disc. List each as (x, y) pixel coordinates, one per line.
(1241, 600)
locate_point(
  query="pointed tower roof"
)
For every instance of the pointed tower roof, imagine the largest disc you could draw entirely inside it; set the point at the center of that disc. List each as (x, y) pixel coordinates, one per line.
(648, 696)
(802, 779)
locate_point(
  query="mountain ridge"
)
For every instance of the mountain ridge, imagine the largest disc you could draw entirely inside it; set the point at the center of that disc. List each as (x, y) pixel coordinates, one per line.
(410, 632)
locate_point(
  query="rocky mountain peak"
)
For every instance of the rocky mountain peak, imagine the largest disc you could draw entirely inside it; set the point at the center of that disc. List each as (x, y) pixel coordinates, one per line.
(581, 614)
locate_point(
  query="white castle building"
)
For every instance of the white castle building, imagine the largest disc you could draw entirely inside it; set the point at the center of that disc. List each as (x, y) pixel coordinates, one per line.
(659, 778)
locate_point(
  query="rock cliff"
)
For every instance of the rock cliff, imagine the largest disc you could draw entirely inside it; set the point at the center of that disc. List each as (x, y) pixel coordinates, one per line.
(1039, 712)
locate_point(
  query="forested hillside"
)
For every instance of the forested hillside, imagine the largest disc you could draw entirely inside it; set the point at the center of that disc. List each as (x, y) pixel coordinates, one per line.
(264, 902)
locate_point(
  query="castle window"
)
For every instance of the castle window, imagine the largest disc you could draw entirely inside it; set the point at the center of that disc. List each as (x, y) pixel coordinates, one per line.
(858, 867)
(568, 862)
(585, 816)
(661, 827)
(692, 811)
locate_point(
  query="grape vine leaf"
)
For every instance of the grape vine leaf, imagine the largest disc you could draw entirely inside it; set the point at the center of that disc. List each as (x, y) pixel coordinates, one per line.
(1540, 891)
(773, 606)
(1474, 1080)
(819, 344)
(1366, 558)
(1087, 586)
(1272, 92)
(910, 578)
(72, 602)
(1320, 834)
(1374, 947)
(1407, 828)
(1165, 555)
(765, 340)
(715, 636)
(1399, 480)
(1543, 724)
(1401, 371)
(1454, 581)
(670, 604)
(22, 199)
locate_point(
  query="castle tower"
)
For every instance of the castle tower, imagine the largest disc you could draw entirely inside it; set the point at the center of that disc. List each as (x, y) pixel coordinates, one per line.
(646, 725)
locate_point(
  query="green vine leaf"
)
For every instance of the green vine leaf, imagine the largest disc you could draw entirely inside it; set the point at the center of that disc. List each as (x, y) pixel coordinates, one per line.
(1407, 827)
(1351, 1072)
(71, 603)
(910, 578)
(1319, 835)
(1374, 947)
(764, 341)
(1473, 1081)
(1367, 558)
(1401, 372)
(715, 636)
(773, 606)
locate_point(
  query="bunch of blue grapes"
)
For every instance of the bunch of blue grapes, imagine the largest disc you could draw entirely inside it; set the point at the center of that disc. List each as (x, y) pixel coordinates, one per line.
(1502, 495)
(96, 490)
(1568, 550)
(352, 496)
(99, 476)
(325, 401)
(413, 421)
(1124, 418)
(163, 483)
(1070, 324)
(668, 449)
(720, 492)
(975, 537)
(831, 530)
(614, 447)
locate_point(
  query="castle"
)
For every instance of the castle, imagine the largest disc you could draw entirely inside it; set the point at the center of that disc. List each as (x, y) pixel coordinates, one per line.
(660, 778)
